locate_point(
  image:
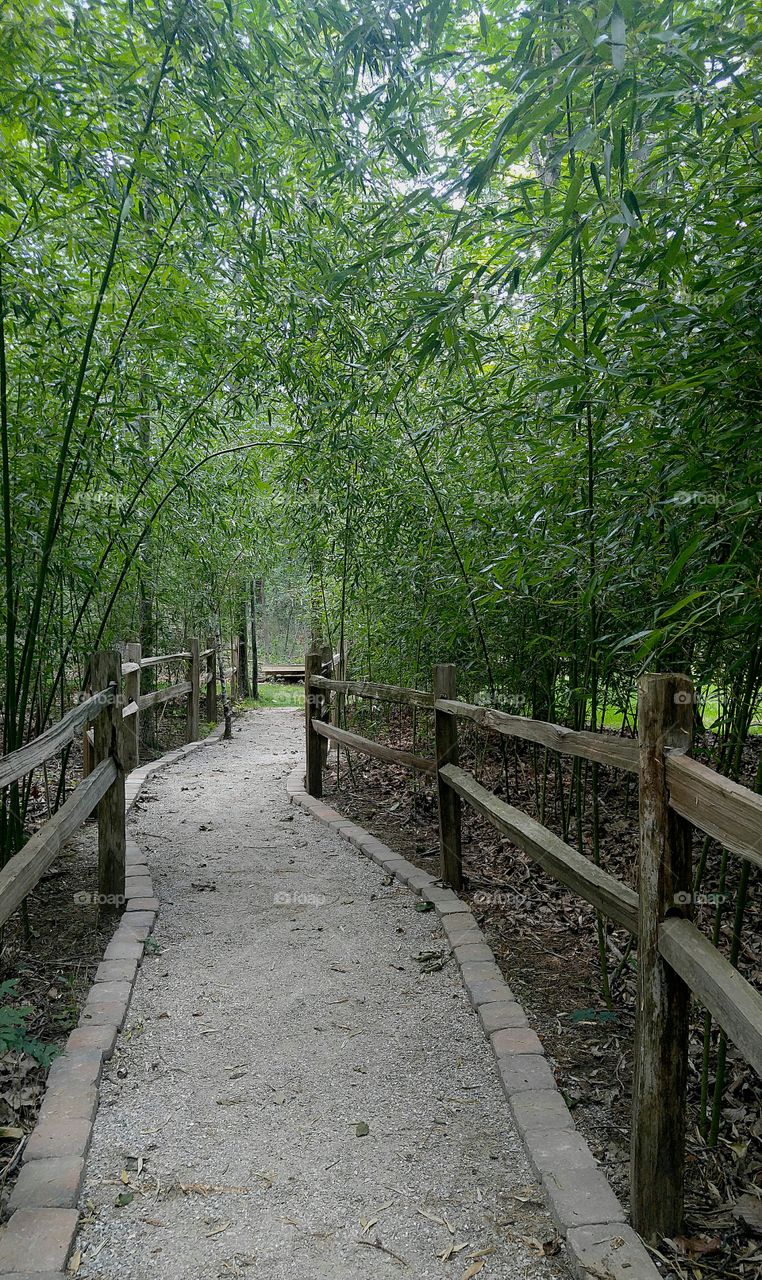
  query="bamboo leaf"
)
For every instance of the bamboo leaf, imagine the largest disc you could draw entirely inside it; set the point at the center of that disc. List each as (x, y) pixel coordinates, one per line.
(618, 38)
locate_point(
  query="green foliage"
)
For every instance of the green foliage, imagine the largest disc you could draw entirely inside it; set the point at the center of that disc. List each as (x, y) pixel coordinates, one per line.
(14, 1034)
(551, 471)
(444, 322)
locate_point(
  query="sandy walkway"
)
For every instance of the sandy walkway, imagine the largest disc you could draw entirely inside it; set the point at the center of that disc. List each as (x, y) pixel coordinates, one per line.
(293, 1096)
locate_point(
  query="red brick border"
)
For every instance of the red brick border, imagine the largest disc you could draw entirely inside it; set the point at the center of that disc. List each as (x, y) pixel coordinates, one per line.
(36, 1241)
(581, 1202)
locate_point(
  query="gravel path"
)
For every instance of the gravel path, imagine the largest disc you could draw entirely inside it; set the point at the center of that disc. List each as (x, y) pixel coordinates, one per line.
(293, 1095)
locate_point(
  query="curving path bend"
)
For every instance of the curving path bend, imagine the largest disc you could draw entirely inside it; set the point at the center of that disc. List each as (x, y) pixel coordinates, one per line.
(293, 1095)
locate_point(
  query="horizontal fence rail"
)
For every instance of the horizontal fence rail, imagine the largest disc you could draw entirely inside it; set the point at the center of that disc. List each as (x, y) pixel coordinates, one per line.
(109, 722)
(54, 739)
(716, 805)
(367, 747)
(169, 694)
(734, 1002)
(598, 747)
(378, 692)
(677, 794)
(604, 891)
(161, 658)
(20, 875)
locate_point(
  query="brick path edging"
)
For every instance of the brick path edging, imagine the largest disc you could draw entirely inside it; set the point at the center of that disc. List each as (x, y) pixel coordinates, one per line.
(37, 1240)
(583, 1206)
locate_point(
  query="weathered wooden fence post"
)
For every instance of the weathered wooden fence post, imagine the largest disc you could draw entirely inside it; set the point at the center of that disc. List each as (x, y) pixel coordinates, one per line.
(210, 701)
(313, 665)
(105, 669)
(193, 706)
(133, 652)
(665, 717)
(446, 737)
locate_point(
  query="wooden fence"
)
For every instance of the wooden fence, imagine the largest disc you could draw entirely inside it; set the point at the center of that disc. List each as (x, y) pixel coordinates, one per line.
(109, 718)
(677, 794)
(188, 690)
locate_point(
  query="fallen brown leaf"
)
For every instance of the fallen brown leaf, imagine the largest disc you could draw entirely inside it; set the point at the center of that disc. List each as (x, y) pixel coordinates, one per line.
(473, 1270)
(696, 1247)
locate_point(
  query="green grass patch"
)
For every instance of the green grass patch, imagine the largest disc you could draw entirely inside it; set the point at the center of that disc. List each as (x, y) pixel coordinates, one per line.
(709, 707)
(276, 695)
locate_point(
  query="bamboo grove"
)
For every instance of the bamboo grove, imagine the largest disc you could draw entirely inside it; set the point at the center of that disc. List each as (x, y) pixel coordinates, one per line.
(451, 313)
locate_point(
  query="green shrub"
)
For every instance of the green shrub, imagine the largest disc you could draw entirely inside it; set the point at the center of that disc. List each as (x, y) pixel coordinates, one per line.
(14, 1036)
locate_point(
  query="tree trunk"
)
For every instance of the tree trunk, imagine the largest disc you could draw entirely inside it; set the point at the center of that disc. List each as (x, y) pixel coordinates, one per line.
(244, 688)
(255, 589)
(146, 610)
(316, 612)
(227, 710)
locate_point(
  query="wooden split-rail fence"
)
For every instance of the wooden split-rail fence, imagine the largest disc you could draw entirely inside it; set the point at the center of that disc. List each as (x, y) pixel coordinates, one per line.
(675, 959)
(108, 717)
(199, 668)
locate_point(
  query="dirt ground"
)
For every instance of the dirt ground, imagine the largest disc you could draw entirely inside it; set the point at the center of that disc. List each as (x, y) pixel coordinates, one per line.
(546, 942)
